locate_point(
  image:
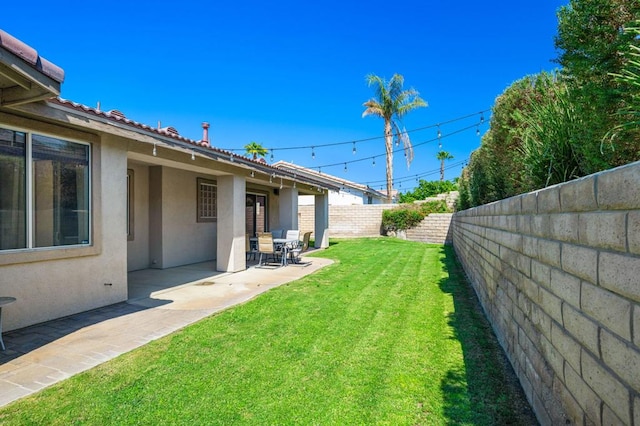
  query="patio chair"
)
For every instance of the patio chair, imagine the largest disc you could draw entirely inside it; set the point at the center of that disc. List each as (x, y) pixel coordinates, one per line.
(277, 233)
(250, 248)
(293, 234)
(296, 252)
(266, 247)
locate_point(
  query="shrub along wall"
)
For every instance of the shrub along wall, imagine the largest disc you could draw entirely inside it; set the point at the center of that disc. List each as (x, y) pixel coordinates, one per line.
(366, 221)
(558, 274)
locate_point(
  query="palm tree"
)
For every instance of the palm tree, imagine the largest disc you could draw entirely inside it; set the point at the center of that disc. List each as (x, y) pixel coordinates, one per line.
(255, 149)
(391, 103)
(442, 156)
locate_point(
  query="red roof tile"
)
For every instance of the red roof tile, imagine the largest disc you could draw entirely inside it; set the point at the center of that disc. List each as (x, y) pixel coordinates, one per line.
(30, 56)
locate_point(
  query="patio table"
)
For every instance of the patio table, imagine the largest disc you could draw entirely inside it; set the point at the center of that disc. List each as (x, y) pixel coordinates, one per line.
(4, 301)
(286, 244)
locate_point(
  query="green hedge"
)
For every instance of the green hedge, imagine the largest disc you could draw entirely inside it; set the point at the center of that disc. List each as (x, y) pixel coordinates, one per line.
(410, 215)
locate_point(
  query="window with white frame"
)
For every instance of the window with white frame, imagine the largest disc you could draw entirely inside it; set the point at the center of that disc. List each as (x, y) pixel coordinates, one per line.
(207, 201)
(44, 191)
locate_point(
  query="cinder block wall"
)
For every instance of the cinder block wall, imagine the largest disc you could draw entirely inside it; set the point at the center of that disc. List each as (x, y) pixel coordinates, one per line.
(558, 274)
(366, 221)
(435, 228)
(362, 220)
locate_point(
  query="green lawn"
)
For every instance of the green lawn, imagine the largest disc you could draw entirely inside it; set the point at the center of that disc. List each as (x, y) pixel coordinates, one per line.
(389, 334)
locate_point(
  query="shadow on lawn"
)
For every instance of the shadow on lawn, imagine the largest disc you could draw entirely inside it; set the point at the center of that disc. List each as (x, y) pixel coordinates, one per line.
(487, 391)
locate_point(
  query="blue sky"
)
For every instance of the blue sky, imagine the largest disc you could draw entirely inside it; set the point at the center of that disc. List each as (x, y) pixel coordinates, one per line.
(292, 74)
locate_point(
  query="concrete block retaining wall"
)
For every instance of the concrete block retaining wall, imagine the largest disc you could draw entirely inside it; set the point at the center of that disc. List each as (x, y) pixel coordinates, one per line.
(366, 221)
(435, 228)
(558, 274)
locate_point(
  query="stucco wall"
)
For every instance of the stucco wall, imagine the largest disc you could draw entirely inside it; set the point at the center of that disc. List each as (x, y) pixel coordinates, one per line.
(184, 240)
(138, 247)
(47, 289)
(558, 274)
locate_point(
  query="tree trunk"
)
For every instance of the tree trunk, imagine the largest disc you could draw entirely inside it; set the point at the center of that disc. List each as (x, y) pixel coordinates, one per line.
(442, 170)
(388, 143)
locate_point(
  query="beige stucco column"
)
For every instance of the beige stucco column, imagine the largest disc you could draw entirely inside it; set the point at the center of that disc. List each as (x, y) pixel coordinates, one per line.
(288, 213)
(321, 231)
(231, 224)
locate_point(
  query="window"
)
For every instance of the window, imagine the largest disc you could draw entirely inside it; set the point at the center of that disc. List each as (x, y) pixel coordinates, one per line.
(207, 201)
(44, 191)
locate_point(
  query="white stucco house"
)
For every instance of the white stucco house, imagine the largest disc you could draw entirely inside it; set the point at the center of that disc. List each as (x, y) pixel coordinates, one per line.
(346, 193)
(88, 195)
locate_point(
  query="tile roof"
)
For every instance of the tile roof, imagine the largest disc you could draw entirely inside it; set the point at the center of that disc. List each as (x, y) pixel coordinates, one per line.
(116, 116)
(31, 56)
(284, 165)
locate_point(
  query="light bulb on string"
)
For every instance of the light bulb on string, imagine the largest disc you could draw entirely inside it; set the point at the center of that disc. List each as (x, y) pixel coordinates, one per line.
(272, 155)
(439, 132)
(155, 151)
(345, 167)
(354, 149)
(313, 154)
(193, 155)
(374, 162)
(481, 117)
(478, 131)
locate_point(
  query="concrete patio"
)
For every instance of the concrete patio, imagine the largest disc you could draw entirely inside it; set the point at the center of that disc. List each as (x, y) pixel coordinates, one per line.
(160, 302)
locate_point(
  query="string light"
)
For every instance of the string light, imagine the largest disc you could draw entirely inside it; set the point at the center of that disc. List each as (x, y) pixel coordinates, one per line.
(415, 145)
(478, 131)
(418, 176)
(253, 174)
(193, 155)
(313, 154)
(374, 161)
(354, 148)
(155, 151)
(345, 167)
(377, 137)
(272, 155)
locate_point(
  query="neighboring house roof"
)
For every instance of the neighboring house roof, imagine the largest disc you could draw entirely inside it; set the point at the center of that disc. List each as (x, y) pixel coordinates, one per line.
(329, 179)
(40, 79)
